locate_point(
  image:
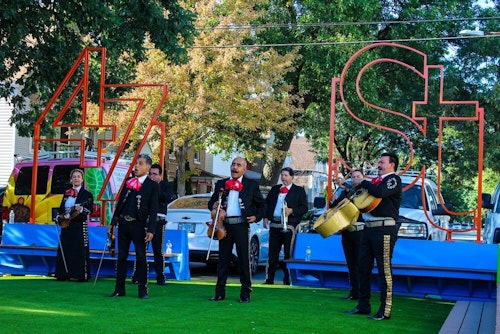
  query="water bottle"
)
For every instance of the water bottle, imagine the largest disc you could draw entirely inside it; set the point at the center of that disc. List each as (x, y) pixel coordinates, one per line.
(12, 217)
(168, 247)
(308, 253)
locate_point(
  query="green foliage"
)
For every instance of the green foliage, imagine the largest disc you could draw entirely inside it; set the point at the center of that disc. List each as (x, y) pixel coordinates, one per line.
(471, 73)
(41, 39)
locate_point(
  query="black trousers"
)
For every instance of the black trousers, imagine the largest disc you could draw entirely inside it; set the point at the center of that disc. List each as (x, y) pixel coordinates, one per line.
(131, 232)
(157, 244)
(351, 243)
(239, 235)
(377, 243)
(159, 261)
(277, 238)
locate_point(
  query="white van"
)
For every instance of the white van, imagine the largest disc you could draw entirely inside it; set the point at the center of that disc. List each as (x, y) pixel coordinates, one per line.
(491, 230)
(413, 220)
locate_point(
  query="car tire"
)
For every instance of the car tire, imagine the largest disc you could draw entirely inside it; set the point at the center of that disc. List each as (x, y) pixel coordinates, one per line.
(254, 255)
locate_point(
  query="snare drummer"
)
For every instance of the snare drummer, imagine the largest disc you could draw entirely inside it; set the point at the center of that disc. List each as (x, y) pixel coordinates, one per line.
(351, 237)
(296, 206)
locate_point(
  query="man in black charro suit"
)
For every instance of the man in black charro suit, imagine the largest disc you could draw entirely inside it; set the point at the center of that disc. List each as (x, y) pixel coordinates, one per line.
(136, 215)
(379, 237)
(242, 204)
(296, 206)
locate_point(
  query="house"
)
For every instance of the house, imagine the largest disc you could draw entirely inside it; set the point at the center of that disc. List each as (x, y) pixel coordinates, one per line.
(309, 173)
(12, 144)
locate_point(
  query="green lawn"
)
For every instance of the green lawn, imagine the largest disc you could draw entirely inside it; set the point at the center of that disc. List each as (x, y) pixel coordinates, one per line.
(44, 305)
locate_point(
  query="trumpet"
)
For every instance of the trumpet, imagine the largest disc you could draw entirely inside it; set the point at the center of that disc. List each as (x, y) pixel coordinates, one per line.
(284, 218)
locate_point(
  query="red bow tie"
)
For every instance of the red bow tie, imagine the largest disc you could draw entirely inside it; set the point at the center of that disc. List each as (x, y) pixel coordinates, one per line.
(134, 184)
(233, 184)
(377, 180)
(283, 190)
(71, 192)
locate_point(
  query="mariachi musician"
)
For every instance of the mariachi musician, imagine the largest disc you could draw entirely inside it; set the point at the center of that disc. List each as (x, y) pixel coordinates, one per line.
(73, 254)
(351, 236)
(286, 204)
(379, 237)
(242, 204)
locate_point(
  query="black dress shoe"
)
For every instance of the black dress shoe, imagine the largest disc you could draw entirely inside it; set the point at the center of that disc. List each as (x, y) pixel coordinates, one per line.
(161, 282)
(117, 294)
(143, 296)
(217, 298)
(268, 282)
(286, 282)
(379, 316)
(245, 299)
(134, 281)
(357, 311)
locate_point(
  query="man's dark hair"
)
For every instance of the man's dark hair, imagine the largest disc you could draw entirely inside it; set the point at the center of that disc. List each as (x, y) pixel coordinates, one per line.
(289, 170)
(393, 158)
(148, 159)
(158, 167)
(358, 170)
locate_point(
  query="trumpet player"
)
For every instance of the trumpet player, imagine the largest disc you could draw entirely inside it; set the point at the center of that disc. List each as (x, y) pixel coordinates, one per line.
(286, 204)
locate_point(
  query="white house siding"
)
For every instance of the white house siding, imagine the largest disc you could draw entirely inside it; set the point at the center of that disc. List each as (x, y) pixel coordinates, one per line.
(7, 142)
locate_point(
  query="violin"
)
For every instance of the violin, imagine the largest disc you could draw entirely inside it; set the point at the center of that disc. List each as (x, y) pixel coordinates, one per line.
(218, 217)
(70, 214)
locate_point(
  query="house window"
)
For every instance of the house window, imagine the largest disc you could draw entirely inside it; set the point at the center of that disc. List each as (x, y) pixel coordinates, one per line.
(196, 157)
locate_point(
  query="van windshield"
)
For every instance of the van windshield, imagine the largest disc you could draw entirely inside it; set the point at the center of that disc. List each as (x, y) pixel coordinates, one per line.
(412, 198)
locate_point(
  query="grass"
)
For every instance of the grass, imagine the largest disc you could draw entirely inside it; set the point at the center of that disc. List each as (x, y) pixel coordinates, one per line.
(32, 304)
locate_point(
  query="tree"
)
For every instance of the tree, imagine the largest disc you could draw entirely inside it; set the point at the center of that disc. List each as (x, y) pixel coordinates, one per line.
(224, 98)
(41, 39)
(316, 22)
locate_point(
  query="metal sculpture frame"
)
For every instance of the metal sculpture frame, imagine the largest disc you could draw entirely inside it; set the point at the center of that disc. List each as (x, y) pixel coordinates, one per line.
(338, 89)
(82, 86)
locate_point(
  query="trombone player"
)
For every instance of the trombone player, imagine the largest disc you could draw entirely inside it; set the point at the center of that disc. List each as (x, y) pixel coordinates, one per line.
(286, 204)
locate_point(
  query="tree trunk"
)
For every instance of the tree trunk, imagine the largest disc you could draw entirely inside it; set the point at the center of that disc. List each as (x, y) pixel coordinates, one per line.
(181, 156)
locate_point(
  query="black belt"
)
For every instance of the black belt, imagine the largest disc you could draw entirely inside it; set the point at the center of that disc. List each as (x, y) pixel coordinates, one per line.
(235, 220)
(356, 228)
(379, 223)
(276, 224)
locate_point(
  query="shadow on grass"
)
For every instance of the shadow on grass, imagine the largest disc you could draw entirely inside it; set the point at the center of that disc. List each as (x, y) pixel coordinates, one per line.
(43, 305)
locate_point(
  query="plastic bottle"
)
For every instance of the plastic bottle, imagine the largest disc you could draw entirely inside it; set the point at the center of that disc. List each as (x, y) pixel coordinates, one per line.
(12, 217)
(308, 253)
(168, 247)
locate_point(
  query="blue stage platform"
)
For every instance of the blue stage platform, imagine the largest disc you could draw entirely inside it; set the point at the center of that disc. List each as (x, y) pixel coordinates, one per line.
(30, 249)
(421, 268)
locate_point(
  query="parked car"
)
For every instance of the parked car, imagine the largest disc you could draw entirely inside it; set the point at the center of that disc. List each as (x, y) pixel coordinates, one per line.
(413, 219)
(191, 213)
(491, 231)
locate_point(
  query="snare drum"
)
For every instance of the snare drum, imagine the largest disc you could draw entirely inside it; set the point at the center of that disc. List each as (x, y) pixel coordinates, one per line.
(337, 219)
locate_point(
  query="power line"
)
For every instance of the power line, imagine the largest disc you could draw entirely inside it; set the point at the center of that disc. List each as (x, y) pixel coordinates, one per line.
(399, 40)
(333, 24)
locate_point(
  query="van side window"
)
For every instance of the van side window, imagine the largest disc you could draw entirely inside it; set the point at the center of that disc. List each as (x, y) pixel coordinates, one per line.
(433, 202)
(23, 181)
(60, 178)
